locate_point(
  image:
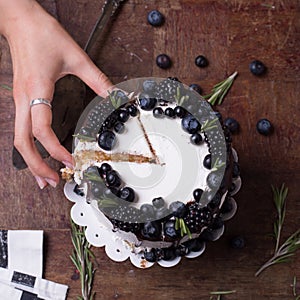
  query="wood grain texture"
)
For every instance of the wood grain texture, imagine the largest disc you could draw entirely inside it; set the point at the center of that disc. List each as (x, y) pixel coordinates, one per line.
(230, 34)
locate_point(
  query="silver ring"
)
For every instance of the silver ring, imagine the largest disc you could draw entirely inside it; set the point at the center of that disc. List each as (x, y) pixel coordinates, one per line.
(40, 101)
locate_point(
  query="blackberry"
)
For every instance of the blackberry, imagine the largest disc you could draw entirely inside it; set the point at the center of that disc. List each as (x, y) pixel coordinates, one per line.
(126, 218)
(167, 89)
(197, 217)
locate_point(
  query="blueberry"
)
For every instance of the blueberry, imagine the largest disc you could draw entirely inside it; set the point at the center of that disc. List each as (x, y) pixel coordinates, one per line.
(127, 194)
(215, 201)
(123, 115)
(148, 211)
(162, 213)
(214, 179)
(257, 67)
(201, 61)
(104, 168)
(118, 94)
(151, 229)
(237, 242)
(190, 124)
(119, 127)
(169, 229)
(169, 112)
(207, 161)
(196, 138)
(106, 140)
(149, 86)
(169, 253)
(232, 124)
(146, 102)
(132, 109)
(163, 61)
(179, 111)
(195, 87)
(113, 179)
(197, 193)
(158, 202)
(155, 18)
(178, 209)
(158, 112)
(264, 127)
(78, 191)
(150, 255)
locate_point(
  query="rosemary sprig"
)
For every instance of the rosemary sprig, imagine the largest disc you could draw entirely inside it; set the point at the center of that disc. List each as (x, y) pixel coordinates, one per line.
(208, 125)
(217, 165)
(6, 87)
(284, 252)
(81, 258)
(219, 294)
(179, 98)
(220, 90)
(115, 100)
(84, 138)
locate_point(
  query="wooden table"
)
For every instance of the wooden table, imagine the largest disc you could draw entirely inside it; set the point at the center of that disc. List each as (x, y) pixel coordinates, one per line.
(230, 34)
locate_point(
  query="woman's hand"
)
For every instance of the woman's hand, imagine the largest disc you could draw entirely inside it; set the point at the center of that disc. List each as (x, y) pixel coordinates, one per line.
(42, 52)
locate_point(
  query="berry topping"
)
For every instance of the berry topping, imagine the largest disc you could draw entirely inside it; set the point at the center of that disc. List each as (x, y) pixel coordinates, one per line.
(132, 109)
(232, 124)
(178, 209)
(158, 112)
(207, 161)
(195, 87)
(257, 67)
(197, 217)
(119, 127)
(146, 102)
(158, 202)
(163, 61)
(190, 124)
(123, 115)
(201, 61)
(151, 229)
(197, 193)
(127, 194)
(169, 112)
(113, 179)
(237, 242)
(214, 179)
(155, 18)
(170, 230)
(179, 111)
(196, 138)
(264, 127)
(106, 140)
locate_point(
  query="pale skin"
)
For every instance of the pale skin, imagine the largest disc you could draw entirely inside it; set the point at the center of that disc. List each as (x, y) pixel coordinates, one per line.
(42, 52)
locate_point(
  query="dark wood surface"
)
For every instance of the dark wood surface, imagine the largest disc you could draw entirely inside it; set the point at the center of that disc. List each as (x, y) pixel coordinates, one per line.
(230, 34)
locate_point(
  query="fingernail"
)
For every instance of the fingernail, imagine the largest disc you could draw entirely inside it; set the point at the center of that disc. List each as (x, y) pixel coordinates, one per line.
(51, 182)
(68, 164)
(40, 182)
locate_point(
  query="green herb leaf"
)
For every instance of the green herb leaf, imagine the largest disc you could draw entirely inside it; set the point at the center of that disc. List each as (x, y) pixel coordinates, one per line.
(6, 87)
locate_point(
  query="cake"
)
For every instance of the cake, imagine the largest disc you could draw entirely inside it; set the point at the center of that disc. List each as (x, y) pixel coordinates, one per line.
(158, 162)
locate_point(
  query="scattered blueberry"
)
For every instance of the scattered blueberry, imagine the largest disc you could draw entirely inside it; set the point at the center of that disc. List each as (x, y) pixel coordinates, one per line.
(264, 127)
(196, 138)
(158, 202)
(207, 161)
(237, 242)
(146, 102)
(190, 124)
(232, 124)
(158, 112)
(197, 193)
(201, 61)
(163, 61)
(127, 194)
(106, 140)
(169, 112)
(169, 229)
(179, 111)
(132, 109)
(151, 229)
(123, 115)
(155, 18)
(257, 67)
(178, 209)
(113, 179)
(119, 127)
(195, 87)
(149, 86)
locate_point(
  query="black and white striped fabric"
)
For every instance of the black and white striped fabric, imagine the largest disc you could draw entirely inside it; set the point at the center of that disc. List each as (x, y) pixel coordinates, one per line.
(21, 268)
